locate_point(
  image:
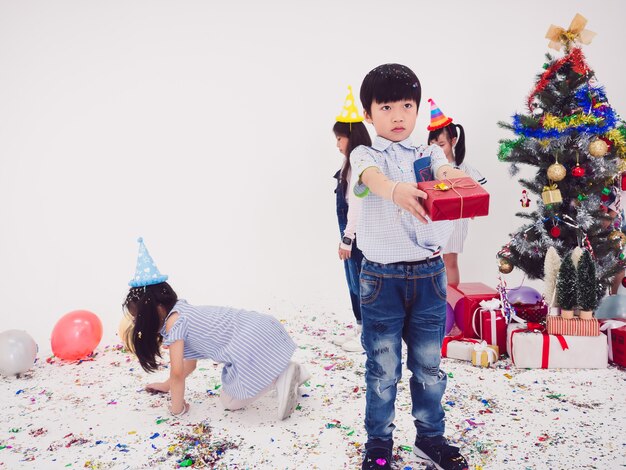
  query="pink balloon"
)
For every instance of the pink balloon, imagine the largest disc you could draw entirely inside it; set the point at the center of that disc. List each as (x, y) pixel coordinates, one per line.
(76, 335)
(462, 317)
(449, 317)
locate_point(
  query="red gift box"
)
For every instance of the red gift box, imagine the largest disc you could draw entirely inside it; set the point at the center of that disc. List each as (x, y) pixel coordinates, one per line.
(616, 333)
(489, 324)
(455, 198)
(465, 298)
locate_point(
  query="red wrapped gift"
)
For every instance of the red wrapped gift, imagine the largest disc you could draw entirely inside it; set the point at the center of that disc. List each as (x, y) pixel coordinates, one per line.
(573, 327)
(616, 333)
(489, 323)
(465, 298)
(456, 198)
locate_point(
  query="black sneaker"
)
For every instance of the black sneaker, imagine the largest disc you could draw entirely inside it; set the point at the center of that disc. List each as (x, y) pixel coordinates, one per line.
(377, 459)
(440, 453)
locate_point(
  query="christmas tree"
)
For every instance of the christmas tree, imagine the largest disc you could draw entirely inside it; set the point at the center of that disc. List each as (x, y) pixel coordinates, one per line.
(566, 284)
(578, 144)
(586, 295)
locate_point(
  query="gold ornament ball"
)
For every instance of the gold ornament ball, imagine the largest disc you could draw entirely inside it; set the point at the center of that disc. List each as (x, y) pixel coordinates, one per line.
(556, 172)
(505, 266)
(598, 148)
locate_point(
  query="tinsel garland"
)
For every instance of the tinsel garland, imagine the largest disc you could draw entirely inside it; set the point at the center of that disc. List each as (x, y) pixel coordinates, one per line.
(589, 96)
(550, 121)
(579, 66)
(618, 137)
(575, 124)
(507, 146)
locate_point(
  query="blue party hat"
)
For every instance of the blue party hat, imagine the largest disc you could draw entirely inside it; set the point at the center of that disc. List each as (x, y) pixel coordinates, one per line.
(147, 273)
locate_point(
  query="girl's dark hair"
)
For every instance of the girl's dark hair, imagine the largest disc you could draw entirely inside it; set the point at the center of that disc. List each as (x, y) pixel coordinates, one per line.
(388, 83)
(142, 303)
(357, 134)
(451, 133)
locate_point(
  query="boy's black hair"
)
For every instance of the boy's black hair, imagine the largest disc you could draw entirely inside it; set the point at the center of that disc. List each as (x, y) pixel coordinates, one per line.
(388, 83)
(451, 133)
(357, 134)
(142, 303)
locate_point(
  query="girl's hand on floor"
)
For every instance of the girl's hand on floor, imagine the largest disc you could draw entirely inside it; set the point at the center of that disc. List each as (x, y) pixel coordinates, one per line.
(158, 387)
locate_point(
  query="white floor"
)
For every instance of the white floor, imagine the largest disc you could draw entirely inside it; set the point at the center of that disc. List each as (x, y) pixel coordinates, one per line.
(96, 415)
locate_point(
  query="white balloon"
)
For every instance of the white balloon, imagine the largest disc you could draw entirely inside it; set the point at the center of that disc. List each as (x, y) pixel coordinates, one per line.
(17, 352)
(612, 306)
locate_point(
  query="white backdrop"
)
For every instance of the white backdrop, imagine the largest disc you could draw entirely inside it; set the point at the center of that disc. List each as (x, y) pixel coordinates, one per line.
(205, 127)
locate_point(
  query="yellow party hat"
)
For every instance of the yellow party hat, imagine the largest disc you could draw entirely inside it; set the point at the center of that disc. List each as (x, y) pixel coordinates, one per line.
(349, 113)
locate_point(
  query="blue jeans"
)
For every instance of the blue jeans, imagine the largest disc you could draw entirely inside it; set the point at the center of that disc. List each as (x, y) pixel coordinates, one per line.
(403, 301)
(352, 267)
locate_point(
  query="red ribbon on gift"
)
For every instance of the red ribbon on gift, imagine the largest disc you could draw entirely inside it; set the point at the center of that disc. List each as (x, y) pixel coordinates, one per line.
(545, 351)
(447, 339)
(452, 185)
(491, 306)
(608, 326)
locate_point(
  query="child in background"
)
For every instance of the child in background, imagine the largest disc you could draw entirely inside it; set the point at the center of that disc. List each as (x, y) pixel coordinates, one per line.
(403, 279)
(350, 132)
(451, 138)
(255, 348)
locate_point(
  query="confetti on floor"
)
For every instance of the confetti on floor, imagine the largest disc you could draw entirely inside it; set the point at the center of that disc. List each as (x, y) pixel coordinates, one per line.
(95, 414)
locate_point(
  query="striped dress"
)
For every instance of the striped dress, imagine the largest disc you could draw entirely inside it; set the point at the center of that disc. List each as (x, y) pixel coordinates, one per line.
(459, 233)
(254, 347)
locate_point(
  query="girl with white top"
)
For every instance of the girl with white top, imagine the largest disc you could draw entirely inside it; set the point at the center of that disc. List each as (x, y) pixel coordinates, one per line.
(451, 138)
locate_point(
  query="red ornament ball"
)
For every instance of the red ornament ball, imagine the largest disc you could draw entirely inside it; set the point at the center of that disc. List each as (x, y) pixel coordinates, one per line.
(604, 198)
(555, 231)
(578, 172)
(624, 281)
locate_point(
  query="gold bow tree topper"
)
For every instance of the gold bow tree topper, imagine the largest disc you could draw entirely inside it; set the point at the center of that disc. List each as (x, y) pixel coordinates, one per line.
(560, 37)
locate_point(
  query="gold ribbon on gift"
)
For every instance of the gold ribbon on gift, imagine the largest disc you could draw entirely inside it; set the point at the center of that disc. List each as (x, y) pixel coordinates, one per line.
(576, 33)
(452, 185)
(551, 187)
(484, 354)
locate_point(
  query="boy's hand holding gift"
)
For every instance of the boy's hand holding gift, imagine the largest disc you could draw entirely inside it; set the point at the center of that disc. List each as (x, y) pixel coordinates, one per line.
(454, 198)
(407, 196)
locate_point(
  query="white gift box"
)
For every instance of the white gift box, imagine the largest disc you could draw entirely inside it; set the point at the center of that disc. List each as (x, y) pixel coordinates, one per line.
(458, 348)
(536, 349)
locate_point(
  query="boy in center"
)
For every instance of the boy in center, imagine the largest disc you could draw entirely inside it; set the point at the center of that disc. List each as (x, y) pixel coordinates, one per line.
(403, 278)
